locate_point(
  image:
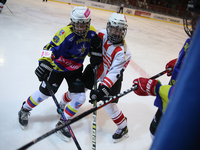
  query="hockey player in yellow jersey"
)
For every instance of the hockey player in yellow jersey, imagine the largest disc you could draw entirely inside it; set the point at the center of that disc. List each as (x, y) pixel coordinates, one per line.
(63, 58)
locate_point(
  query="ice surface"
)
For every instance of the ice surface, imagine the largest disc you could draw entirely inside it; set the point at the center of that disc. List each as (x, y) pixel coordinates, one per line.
(29, 27)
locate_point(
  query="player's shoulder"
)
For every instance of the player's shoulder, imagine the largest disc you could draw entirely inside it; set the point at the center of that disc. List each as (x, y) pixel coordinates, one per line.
(102, 31)
(92, 28)
(62, 34)
(187, 41)
(119, 48)
(67, 30)
(102, 34)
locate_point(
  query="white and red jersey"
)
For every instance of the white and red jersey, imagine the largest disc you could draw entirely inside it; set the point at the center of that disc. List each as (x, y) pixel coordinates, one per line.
(114, 61)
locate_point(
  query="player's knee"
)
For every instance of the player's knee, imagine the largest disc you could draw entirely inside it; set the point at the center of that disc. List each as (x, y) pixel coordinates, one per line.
(41, 95)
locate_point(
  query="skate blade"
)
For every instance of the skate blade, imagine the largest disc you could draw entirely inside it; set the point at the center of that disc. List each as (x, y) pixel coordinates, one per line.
(123, 138)
(22, 127)
(62, 137)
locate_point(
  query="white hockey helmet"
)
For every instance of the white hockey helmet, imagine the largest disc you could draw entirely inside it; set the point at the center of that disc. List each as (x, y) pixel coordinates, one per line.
(80, 20)
(116, 27)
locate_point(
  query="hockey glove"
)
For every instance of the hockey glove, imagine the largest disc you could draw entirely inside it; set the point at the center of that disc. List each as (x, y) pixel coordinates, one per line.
(170, 64)
(145, 86)
(97, 95)
(43, 70)
(96, 51)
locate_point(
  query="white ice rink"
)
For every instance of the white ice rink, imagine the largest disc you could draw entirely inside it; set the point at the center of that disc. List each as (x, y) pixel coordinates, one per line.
(31, 24)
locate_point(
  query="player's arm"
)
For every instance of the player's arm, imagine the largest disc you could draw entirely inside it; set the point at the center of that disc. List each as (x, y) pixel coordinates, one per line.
(49, 53)
(118, 65)
(55, 46)
(96, 51)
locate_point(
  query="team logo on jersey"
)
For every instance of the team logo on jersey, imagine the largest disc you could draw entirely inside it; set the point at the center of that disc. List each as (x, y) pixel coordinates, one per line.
(83, 40)
(82, 50)
(56, 39)
(61, 32)
(77, 105)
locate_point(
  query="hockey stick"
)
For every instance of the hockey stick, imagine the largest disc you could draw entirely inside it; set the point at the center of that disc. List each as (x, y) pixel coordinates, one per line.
(62, 114)
(94, 113)
(88, 112)
(10, 10)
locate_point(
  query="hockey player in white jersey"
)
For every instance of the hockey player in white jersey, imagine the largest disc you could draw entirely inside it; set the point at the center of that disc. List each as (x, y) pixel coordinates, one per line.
(116, 57)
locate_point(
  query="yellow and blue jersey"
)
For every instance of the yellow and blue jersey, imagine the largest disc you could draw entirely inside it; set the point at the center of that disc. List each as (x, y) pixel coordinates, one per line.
(163, 92)
(67, 51)
(179, 61)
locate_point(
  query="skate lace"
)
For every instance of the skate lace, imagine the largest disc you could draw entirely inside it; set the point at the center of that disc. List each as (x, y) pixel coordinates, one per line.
(24, 115)
(118, 131)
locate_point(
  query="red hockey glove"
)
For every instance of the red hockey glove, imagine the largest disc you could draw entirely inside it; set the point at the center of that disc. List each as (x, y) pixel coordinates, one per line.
(170, 64)
(145, 86)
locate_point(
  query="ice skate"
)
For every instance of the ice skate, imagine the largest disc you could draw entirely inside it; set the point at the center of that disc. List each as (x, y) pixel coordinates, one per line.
(23, 117)
(120, 134)
(64, 132)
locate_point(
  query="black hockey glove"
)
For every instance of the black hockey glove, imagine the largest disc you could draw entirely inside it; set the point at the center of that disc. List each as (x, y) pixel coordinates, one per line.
(43, 70)
(96, 51)
(99, 93)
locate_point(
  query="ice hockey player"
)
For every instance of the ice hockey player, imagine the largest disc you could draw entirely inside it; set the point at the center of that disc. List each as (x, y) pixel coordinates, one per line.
(62, 59)
(154, 87)
(116, 56)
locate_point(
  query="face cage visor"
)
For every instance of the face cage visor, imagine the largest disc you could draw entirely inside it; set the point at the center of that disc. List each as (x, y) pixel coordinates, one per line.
(115, 34)
(80, 28)
(190, 20)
